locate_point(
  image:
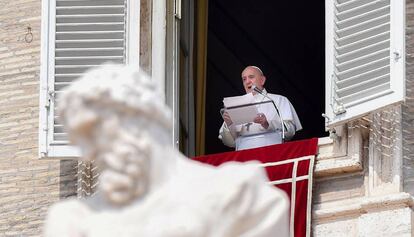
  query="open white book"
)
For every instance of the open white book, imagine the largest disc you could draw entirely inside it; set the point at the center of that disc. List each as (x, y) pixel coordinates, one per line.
(241, 109)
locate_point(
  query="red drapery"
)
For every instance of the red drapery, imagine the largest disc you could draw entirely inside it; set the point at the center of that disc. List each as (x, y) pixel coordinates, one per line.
(289, 167)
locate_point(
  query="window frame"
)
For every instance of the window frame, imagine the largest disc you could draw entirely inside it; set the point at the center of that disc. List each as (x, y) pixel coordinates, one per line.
(47, 57)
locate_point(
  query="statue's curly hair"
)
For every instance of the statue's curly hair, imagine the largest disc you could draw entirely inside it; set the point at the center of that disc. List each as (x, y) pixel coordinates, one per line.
(124, 88)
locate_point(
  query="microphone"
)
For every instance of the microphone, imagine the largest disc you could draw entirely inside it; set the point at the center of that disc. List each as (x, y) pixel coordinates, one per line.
(256, 89)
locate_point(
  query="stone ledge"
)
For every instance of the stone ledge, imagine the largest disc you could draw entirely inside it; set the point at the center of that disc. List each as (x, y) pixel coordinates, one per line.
(333, 160)
(369, 204)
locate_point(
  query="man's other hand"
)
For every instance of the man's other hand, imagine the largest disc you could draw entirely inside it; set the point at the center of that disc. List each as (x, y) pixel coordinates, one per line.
(262, 120)
(227, 119)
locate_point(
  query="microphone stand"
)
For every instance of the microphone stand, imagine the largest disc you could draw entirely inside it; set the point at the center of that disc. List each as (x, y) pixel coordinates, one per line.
(277, 110)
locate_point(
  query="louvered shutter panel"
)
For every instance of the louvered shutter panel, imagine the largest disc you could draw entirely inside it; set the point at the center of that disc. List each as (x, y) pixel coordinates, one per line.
(364, 57)
(82, 34)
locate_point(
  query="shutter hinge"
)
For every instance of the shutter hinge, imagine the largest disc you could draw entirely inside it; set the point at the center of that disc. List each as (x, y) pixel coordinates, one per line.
(332, 132)
(397, 56)
(337, 108)
(177, 9)
(327, 121)
(50, 97)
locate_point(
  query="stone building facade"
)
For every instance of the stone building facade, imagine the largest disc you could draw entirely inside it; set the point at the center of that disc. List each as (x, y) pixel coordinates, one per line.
(28, 186)
(364, 174)
(366, 189)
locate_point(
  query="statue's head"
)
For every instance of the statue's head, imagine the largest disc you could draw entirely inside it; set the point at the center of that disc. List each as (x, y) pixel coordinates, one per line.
(118, 117)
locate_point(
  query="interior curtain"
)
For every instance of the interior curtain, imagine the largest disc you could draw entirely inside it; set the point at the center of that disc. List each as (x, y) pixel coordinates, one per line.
(200, 69)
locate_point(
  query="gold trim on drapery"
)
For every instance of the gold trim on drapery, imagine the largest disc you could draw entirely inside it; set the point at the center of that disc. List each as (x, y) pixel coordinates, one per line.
(200, 69)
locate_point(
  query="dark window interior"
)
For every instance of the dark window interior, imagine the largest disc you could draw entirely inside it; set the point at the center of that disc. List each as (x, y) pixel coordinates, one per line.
(285, 39)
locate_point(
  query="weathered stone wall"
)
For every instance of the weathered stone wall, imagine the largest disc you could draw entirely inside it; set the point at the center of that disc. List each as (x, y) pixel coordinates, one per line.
(145, 35)
(28, 186)
(408, 108)
(377, 200)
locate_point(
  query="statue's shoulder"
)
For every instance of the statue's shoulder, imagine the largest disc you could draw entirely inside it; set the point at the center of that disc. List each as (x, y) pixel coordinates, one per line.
(231, 171)
(69, 206)
(230, 175)
(243, 171)
(237, 194)
(66, 216)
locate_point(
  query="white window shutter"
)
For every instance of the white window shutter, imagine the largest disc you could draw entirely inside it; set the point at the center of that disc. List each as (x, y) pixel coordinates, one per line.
(364, 57)
(81, 34)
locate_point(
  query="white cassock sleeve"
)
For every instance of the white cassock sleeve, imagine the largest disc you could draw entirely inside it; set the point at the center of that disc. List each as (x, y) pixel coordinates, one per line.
(289, 115)
(228, 135)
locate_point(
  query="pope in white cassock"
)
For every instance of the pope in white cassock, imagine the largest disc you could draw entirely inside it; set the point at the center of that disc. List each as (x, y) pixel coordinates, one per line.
(266, 128)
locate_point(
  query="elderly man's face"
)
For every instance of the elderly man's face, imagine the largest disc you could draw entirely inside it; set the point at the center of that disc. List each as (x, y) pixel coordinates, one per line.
(250, 77)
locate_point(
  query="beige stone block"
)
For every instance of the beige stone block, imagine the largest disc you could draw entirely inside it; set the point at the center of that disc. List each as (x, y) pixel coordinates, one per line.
(8, 185)
(27, 154)
(6, 170)
(21, 64)
(12, 207)
(6, 54)
(14, 117)
(34, 233)
(25, 183)
(7, 153)
(35, 168)
(11, 136)
(12, 142)
(12, 233)
(31, 83)
(344, 227)
(49, 173)
(31, 19)
(42, 189)
(20, 227)
(15, 60)
(23, 51)
(32, 120)
(9, 87)
(27, 145)
(29, 69)
(4, 228)
(38, 222)
(23, 97)
(21, 78)
(9, 191)
(11, 93)
(338, 188)
(18, 78)
(386, 223)
(15, 178)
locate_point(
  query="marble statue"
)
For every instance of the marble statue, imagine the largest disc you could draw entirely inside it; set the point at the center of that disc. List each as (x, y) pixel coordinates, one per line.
(118, 118)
